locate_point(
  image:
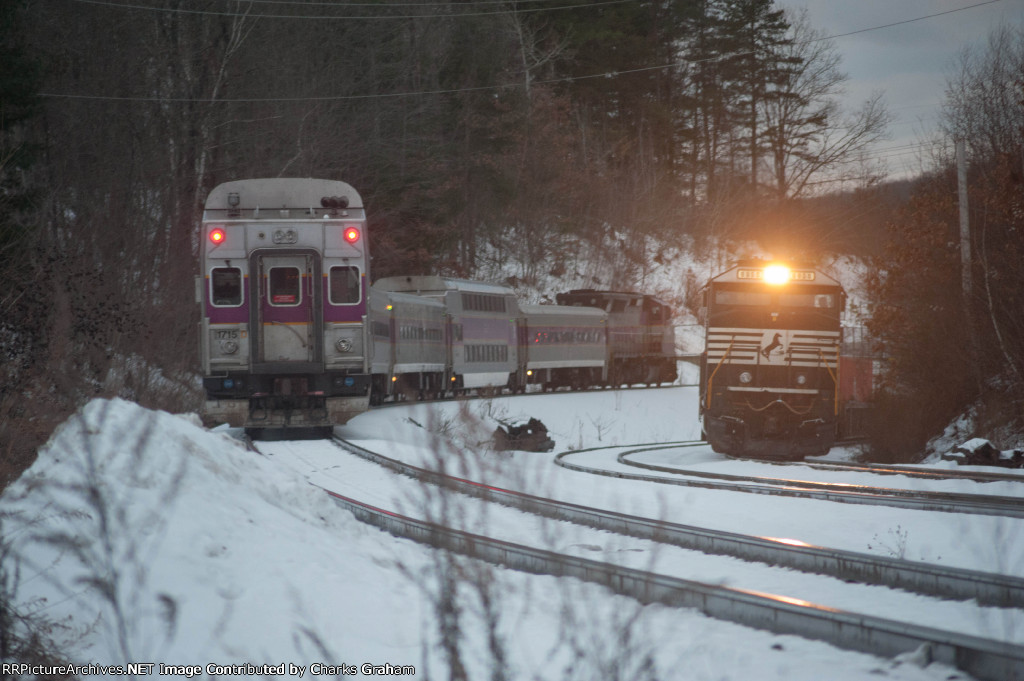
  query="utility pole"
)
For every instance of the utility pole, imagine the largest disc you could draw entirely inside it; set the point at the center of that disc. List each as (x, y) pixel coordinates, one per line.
(965, 225)
(965, 259)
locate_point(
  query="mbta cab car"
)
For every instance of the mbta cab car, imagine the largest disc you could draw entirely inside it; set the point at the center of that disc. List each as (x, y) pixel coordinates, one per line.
(283, 294)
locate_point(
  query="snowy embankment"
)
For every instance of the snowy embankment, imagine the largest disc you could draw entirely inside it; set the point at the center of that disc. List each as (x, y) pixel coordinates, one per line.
(150, 539)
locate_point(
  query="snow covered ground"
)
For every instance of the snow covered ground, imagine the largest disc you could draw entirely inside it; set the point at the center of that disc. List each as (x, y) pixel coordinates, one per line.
(149, 539)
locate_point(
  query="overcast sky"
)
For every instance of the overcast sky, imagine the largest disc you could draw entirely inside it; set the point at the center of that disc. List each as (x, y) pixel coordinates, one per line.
(908, 62)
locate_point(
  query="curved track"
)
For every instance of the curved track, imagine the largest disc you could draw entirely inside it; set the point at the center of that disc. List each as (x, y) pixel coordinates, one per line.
(919, 472)
(923, 578)
(983, 658)
(845, 493)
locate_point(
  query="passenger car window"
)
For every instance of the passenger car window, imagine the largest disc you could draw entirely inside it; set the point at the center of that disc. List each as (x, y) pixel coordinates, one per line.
(226, 286)
(344, 285)
(285, 286)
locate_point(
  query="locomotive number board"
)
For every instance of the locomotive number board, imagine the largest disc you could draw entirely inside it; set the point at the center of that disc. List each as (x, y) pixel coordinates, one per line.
(758, 274)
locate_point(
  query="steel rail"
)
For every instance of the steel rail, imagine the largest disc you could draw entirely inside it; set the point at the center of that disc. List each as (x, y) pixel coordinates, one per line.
(985, 659)
(931, 580)
(977, 504)
(911, 471)
(596, 388)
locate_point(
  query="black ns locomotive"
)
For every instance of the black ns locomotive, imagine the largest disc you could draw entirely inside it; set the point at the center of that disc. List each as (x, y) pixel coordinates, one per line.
(769, 384)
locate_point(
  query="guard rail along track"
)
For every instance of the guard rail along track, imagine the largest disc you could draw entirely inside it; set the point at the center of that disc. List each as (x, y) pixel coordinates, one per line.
(921, 501)
(932, 580)
(984, 659)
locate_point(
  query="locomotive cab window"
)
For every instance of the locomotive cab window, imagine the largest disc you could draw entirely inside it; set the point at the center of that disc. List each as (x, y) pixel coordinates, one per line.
(285, 286)
(344, 285)
(821, 301)
(226, 286)
(727, 297)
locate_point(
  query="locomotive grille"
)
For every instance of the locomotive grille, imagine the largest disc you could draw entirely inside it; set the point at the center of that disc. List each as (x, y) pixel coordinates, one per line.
(753, 346)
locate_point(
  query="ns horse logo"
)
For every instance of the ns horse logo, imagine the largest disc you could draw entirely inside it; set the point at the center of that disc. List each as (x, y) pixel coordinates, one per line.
(774, 350)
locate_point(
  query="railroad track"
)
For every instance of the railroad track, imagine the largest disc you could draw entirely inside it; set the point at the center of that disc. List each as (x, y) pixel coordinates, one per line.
(930, 580)
(983, 658)
(407, 400)
(911, 471)
(845, 493)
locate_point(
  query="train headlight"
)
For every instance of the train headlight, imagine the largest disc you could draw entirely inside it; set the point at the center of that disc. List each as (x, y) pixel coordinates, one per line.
(801, 379)
(776, 274)
(745, 377)
(343, 344)
(229, 347)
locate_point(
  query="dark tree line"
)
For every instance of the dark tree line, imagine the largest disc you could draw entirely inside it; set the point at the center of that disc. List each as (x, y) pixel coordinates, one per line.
(479, 134)
(951, 346)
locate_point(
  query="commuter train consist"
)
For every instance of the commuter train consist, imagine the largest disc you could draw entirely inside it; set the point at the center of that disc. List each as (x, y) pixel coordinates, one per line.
(769, 384)
(292, 335)
(434, 336)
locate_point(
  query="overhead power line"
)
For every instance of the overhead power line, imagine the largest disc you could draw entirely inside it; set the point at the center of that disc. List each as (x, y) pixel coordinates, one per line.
(416, 93)
(377, 5)
(910, 21)
(347, 17)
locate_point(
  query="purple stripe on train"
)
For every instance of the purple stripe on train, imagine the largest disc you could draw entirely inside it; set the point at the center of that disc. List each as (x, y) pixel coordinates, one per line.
(228, 315)
(283, 313)
(343, 313)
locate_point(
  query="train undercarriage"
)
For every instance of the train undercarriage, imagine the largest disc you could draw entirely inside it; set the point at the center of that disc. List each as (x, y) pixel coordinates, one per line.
(771, 426)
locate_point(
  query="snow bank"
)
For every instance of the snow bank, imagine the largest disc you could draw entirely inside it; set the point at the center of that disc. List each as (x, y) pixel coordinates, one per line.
(150, 539)
(156, 539)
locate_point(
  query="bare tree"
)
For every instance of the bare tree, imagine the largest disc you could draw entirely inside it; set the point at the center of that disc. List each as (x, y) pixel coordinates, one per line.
(984, 93)
(806, 132)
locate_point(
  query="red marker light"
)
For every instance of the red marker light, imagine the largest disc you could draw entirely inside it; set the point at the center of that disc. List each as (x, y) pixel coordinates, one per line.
(217, 236)
(351, 235)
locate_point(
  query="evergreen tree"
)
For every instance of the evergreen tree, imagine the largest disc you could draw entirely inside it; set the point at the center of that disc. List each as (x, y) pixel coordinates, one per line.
(754, 66)
(19, 102)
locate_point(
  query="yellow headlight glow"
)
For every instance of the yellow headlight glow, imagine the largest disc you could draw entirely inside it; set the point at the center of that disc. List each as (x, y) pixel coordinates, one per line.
(776, 274)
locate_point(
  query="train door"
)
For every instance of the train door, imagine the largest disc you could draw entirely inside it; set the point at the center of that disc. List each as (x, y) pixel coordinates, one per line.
(453, 348)
(288, 308)
(522, 354)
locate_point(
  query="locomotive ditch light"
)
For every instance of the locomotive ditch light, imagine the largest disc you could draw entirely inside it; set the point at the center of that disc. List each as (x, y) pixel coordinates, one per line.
(351, 235)
(776, 274)
(217, 236)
